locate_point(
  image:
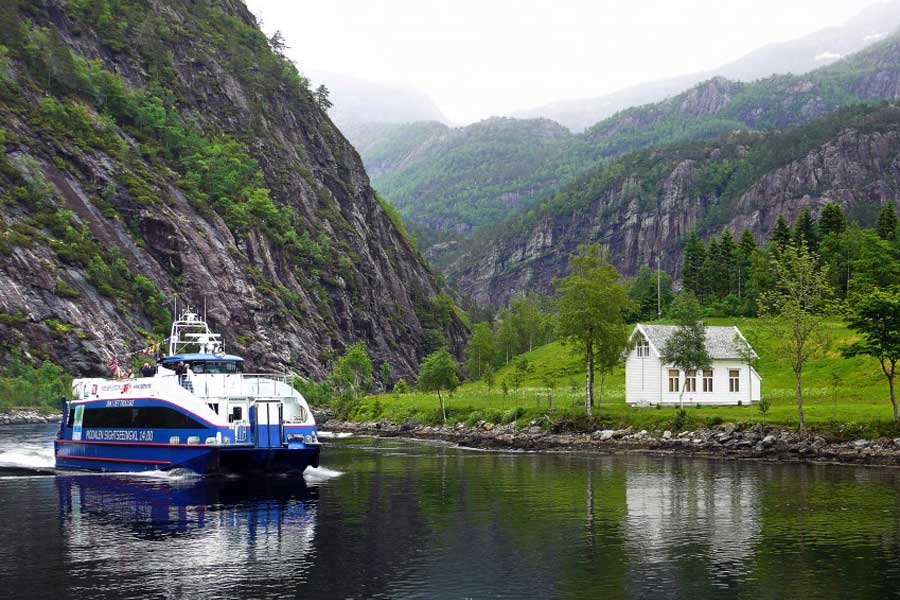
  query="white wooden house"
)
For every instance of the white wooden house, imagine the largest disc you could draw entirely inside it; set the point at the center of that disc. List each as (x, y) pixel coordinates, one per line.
(649, 382)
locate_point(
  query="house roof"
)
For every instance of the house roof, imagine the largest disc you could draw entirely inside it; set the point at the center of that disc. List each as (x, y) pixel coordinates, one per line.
(720, 341)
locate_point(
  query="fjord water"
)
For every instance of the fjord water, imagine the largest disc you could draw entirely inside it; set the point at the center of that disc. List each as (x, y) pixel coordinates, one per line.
(404, 519)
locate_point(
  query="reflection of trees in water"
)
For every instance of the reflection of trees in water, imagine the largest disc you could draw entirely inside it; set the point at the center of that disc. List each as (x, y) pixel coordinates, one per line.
(437, 521)
(827, 532)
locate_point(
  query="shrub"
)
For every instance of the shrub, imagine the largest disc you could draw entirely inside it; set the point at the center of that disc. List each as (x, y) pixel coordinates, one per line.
(680, 419)
(401, 387)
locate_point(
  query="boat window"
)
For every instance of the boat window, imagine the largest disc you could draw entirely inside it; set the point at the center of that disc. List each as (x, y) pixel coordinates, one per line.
(144, 417)
(237, 413)
(71, 421)
(216, 368)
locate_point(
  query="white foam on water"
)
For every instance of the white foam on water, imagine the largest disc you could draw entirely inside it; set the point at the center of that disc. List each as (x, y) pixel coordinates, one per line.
(332, 435)
(38, 458)
(171, 475)
(316, 474)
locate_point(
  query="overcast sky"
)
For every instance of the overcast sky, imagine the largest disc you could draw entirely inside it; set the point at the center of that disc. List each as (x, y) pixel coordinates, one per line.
(477, 58)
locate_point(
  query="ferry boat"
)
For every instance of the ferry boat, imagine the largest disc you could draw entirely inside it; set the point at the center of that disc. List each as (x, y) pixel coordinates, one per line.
(214, 419)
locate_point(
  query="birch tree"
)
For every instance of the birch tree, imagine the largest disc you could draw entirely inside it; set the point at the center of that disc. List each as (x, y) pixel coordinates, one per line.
(592, 308)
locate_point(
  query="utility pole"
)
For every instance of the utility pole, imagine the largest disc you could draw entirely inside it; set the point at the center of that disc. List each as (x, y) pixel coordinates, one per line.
(658, 291)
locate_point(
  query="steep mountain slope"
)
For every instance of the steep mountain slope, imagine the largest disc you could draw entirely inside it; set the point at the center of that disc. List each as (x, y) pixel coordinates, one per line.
(640, 207)
(154, 148)
(796, 56)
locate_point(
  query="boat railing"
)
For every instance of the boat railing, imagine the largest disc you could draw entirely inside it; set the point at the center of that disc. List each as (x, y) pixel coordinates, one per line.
(237, 385)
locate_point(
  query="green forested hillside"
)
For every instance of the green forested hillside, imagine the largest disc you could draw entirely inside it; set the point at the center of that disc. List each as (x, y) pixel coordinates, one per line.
(464, 178)
(481, 174)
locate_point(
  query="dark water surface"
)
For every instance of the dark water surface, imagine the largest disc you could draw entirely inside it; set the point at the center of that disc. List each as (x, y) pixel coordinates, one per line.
(400, 519)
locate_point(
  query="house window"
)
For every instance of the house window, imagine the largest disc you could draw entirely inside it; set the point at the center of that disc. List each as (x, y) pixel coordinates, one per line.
(673, 380)
(690, 381)
(643, 348)
(734, 380)
(707, 380)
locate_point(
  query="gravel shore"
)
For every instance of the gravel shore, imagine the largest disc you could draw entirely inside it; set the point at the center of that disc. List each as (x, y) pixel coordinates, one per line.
(728, 441)
(20, 417)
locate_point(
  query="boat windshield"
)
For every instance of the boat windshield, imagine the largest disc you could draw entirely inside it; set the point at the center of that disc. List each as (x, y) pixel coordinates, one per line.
(216, 368)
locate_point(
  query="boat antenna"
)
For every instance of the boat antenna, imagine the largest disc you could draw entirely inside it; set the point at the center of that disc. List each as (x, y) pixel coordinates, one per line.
(176, 305)
(204, 308)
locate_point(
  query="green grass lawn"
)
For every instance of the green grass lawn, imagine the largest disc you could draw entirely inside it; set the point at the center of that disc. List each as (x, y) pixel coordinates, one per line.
(842, 397)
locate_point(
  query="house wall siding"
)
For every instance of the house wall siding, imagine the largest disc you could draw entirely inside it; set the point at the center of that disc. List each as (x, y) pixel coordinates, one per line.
(647, 383)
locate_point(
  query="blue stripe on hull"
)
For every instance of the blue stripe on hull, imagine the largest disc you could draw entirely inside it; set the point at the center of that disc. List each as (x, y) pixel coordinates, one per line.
(200, 459)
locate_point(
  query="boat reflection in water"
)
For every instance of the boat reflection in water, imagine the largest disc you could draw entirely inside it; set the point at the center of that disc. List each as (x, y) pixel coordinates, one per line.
(213, 529)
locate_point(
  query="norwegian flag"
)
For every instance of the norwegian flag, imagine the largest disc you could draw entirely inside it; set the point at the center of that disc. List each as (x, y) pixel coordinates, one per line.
(113, 365)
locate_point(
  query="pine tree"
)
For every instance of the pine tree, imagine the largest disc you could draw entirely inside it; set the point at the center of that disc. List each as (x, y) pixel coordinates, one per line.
(781, 234)
(805, 230)
(887, 223)
(745, 251)
(832, 220)
(712, 279)
(694, 257)
(727, 261)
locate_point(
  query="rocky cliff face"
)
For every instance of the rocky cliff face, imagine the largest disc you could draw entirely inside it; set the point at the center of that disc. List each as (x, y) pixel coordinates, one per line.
(645, 209)
(284, 300)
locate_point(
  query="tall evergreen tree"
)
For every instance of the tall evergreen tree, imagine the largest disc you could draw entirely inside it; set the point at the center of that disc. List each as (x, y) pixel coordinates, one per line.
(832, 220)
(745, 251)
(781, 234)
(727, 261)
(805, 230)
(887, 222)
(712, 281)
(692, 271)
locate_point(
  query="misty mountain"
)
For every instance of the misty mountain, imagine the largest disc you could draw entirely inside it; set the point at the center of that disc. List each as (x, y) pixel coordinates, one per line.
(456, 180)
(798, 56)
(360, 102)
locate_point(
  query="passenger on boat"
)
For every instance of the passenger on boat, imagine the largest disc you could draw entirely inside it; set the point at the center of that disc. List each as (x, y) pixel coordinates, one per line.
(147, 370)
(182, 371)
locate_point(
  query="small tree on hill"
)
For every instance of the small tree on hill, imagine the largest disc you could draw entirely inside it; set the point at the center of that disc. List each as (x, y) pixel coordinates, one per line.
(592, 308)
(887, 222)
(353, 371)
(386, 372)
(436, 373)
(686, 347)
(321, 97)
(781, 233)
(520, 373)
(481, 350)
(798, 310)
(876, 317)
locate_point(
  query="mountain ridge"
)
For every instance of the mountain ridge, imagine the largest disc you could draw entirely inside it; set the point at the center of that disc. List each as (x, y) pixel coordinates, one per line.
(152, 149)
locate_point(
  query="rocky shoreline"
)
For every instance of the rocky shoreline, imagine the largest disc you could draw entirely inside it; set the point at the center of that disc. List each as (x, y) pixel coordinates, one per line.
(730, 441)
(23, 417)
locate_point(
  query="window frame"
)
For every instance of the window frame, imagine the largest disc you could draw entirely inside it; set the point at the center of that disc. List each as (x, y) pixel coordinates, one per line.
(707, 381)
(674, 381)
(734, 381)
(690, 382)
(643, 348)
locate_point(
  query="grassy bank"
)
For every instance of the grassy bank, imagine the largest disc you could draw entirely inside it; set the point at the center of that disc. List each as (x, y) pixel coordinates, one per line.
(844, 398)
